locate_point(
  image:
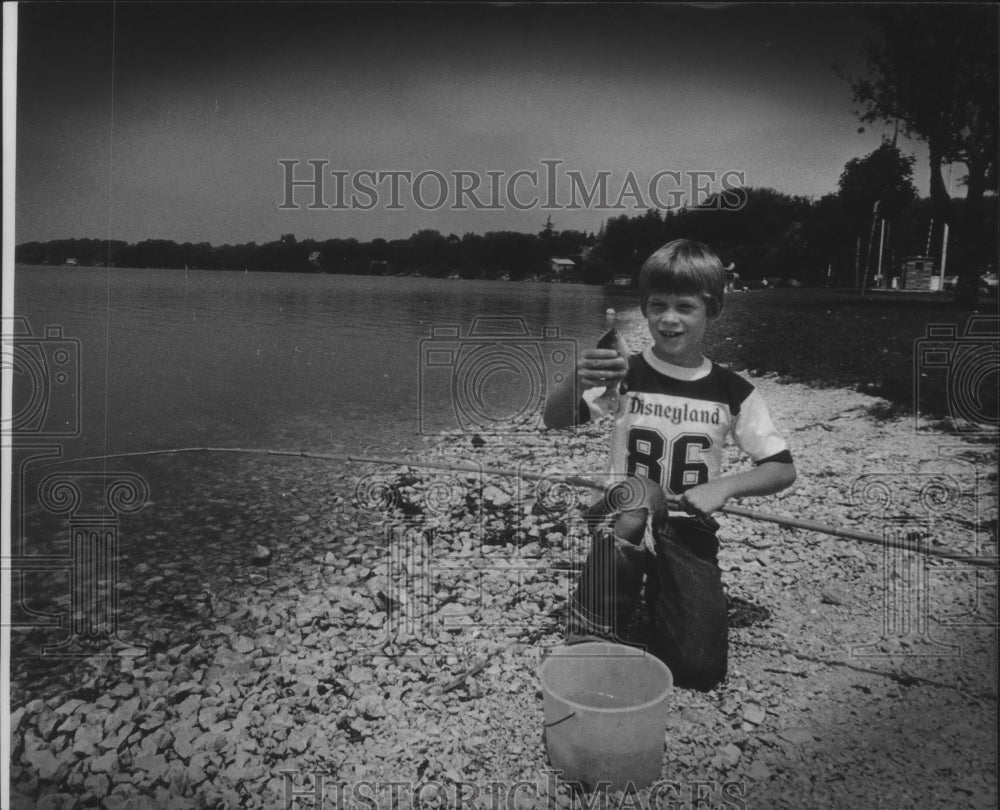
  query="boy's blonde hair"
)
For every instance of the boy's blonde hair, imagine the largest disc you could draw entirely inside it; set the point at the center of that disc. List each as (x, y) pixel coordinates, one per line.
(684, 267)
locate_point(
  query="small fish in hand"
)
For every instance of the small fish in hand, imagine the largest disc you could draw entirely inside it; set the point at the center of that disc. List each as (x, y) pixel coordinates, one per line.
(614, 341)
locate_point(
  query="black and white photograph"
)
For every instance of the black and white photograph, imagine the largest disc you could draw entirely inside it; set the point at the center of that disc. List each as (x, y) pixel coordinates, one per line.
(445, 405)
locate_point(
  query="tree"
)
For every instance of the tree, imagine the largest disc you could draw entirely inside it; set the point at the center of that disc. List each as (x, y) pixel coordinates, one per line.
(934, 71)
(884, 176)
(878, 185)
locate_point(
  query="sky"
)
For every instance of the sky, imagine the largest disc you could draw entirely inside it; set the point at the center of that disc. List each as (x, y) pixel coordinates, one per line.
(169, 120)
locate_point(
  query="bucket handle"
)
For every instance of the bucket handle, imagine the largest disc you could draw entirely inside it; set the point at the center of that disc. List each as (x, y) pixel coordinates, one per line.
(560, 720)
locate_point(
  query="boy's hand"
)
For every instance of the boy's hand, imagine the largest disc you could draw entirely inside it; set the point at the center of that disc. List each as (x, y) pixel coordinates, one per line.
(600, 368)
(704, 499)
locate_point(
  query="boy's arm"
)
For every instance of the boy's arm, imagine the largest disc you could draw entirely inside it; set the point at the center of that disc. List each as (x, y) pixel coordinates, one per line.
(597, 368)
(757, 436)
(767, 478)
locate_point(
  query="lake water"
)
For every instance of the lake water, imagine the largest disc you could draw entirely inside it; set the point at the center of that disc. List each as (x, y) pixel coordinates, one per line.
(123, 360)
(292, 361)
(338, 364)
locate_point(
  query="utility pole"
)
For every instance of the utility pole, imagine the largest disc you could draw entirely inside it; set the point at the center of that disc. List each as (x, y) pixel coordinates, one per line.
(857, 264)
(881, 249)
(944, 236)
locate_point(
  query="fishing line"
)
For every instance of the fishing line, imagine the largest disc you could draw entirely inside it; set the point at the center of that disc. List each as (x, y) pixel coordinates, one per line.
(905, 544)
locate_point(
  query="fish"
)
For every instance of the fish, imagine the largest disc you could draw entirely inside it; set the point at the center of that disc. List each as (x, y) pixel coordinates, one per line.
(637, 502)
(612, 394)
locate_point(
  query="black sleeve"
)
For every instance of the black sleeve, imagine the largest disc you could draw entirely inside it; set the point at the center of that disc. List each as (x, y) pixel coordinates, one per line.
(784, 457)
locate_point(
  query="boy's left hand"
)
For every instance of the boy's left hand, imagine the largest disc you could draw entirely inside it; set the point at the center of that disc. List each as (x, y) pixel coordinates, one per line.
(704, 499)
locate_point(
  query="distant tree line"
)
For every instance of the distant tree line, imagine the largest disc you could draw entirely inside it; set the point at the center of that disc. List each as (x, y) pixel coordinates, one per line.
(817, 242)
(427, 253)
(829, 240)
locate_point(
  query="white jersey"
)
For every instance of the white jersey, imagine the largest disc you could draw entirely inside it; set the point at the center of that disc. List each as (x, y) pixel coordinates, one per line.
(671, 422)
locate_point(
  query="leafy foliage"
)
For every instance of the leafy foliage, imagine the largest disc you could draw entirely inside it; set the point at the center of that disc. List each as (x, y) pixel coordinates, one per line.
(934, 70)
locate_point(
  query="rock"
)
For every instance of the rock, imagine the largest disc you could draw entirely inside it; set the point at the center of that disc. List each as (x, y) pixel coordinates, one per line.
(730, 754)
(298, 741)
(86, 739)
(97, 783)
(196, 773)
(261, 555)
(209, 741)
(154, 765)
(758, 771)
(190, 706)
(15, 718)
(116, 741)
(371, 706)
(46, 722)
(123, 714)
(208, 716)
(153, 720)
(796, 736)
(495, 496)
(69, 706)
(71, 724)
(55, 801)
(48, 767)
(184, 735)
(122, 691)
(832, 595)
(753, 713)
(103, 764)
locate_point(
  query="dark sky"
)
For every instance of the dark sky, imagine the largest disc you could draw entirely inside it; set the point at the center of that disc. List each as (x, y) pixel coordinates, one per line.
(167, 120)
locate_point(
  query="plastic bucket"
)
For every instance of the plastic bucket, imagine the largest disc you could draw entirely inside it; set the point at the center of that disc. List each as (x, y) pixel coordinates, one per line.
(605, 713)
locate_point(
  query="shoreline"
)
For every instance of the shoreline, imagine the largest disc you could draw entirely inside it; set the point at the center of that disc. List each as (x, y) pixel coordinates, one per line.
(289, 665)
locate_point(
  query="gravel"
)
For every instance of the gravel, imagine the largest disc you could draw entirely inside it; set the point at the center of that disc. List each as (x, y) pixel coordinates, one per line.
(385, 626)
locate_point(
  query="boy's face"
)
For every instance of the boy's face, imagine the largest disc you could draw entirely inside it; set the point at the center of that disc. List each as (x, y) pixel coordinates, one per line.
(677, 324)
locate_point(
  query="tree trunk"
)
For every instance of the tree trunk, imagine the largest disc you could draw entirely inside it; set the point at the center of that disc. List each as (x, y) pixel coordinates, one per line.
(969, 237)
(939, 194)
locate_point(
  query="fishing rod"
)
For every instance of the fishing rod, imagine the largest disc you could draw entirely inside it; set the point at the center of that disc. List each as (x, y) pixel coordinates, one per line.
(903, 543)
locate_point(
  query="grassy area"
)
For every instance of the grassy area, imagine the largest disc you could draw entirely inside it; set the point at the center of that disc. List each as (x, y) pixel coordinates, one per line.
(836, 338)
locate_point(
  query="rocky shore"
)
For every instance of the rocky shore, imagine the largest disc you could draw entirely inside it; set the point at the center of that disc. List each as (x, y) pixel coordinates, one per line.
(371, 636)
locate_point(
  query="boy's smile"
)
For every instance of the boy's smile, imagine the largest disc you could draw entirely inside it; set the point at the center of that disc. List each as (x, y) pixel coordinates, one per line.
(677, 324)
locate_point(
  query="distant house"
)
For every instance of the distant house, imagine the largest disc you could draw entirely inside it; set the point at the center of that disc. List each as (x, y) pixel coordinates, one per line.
(918, 273)
(73, 262)
(561, 266)
(621, 281)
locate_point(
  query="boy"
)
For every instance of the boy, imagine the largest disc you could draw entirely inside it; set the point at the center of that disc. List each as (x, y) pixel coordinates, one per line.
(670, 423)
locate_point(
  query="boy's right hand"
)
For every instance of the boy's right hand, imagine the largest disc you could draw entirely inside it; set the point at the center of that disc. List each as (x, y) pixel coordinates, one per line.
(600, 368)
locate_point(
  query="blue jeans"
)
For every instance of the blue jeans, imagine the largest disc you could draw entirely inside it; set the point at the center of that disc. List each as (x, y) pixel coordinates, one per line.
(685, 601)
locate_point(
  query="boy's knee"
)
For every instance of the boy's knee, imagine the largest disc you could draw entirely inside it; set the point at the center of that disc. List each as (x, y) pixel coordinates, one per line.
(701, 669)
